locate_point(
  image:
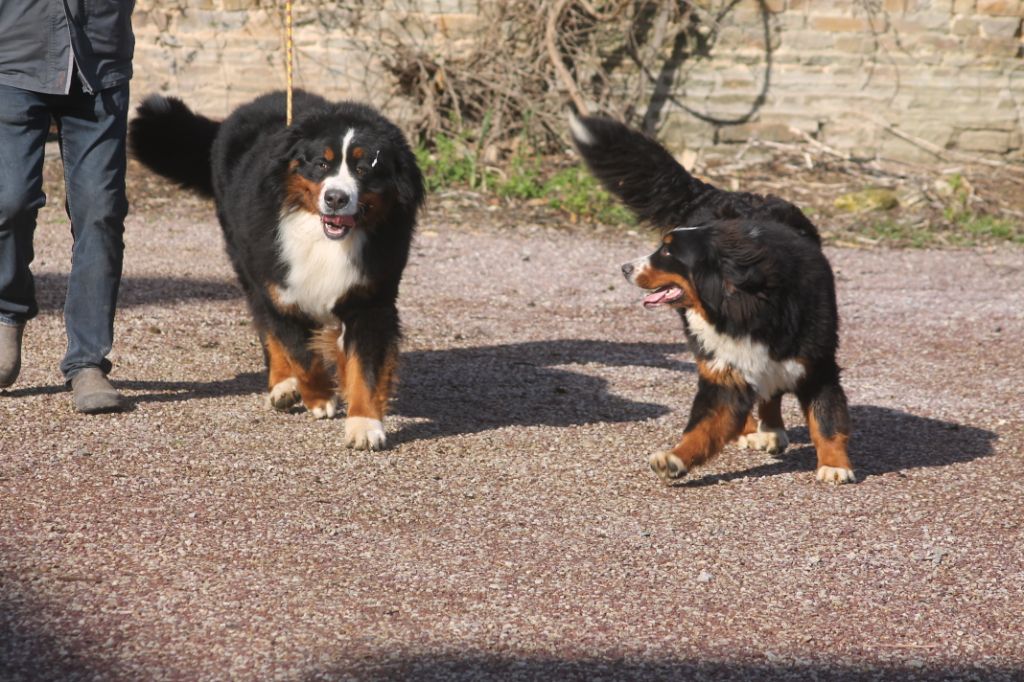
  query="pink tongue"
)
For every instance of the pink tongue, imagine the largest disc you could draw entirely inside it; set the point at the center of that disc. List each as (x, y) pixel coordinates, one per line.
(340, 220)
(661, 296)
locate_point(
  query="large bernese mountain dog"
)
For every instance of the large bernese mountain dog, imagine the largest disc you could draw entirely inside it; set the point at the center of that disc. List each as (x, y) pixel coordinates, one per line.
(317, 218)
(755, 292)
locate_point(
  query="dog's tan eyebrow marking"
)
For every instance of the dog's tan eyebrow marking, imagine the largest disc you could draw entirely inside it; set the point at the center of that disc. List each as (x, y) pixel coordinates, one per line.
(667, 239)
(329, 154)
(357, 153)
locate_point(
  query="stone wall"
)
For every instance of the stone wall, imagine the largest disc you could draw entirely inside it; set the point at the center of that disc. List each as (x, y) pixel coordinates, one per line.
(889, 78)
(217, 54)
(856, 74)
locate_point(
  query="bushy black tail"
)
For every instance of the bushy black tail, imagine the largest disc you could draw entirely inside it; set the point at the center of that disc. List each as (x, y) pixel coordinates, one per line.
(171, 140)
(636, 169)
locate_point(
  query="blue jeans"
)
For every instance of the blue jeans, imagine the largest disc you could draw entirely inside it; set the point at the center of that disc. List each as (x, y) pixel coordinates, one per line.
(92, 129)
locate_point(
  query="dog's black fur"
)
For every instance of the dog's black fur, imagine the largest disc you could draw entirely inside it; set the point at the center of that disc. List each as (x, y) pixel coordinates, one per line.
(341, 167)
(648, 180)
(755, 293)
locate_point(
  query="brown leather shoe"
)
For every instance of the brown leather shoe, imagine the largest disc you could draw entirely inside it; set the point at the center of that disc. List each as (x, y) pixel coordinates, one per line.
(93, 392)
(10, 353)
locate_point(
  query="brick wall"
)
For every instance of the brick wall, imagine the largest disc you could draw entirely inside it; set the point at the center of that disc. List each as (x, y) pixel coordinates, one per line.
(949, 72)
(853, 74)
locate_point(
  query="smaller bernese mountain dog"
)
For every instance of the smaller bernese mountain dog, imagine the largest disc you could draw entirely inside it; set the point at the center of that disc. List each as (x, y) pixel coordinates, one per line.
(318, 219)
(756, 295)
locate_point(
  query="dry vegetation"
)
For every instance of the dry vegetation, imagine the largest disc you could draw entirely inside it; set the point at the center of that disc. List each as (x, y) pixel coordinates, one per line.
(597, 55)
(492, 122)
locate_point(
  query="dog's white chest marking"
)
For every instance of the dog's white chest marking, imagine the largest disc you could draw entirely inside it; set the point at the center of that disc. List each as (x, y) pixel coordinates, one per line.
(320, 270)
(748, 357)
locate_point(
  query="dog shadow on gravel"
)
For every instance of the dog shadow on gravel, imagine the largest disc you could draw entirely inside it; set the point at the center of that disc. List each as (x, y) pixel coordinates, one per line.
(467, 390)
(884, 441)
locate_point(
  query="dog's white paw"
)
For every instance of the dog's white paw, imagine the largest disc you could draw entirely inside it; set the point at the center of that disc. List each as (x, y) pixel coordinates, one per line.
(667, 465)
(772, 441)
(835, 475)
(364, 433)
(284, 394)
(327, 410)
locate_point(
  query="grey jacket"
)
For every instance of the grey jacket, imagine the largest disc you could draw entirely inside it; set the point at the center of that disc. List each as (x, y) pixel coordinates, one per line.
(43, 41)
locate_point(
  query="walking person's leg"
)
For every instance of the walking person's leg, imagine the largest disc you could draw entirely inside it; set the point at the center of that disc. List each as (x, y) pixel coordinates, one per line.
(92, 132)
(24, 124)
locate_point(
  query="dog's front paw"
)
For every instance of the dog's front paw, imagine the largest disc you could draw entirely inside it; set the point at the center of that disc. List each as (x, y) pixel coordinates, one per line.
(284, 394)
(667, 465)
(835, 475)
(772, 441)
(325, 410)
(364, 433)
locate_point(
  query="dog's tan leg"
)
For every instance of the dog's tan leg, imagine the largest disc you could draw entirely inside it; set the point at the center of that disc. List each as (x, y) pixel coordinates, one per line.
(769, 432)
(828, 421)
(290, 381)
(318, 392)
(718, 416)
(749, 427)
(283, 386)
(366, 391)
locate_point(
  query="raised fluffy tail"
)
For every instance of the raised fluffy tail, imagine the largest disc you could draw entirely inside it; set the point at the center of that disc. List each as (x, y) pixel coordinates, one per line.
(171, 140)
(636, 169)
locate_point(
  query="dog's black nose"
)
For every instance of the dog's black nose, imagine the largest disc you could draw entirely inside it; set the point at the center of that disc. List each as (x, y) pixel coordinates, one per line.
(627, 270)
(335, 199)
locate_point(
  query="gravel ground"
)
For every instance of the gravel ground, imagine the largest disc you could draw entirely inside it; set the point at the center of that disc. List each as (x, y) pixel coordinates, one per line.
(513, 529)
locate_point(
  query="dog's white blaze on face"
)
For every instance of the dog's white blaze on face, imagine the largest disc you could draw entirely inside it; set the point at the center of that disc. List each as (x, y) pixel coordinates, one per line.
(320, 271)
(342, 180)
(750, 358)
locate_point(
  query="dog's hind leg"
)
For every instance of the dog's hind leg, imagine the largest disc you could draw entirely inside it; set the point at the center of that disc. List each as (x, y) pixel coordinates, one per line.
(295, 373)
(828, 420)
(768, 431)
(718, 416)
(282, 386)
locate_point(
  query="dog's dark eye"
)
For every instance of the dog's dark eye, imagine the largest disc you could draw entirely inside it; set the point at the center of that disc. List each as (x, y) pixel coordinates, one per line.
(665, 251)
(323, 164)
(360, 171)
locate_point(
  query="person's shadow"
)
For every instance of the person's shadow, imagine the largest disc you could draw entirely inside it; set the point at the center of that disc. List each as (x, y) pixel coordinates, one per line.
(51, 290)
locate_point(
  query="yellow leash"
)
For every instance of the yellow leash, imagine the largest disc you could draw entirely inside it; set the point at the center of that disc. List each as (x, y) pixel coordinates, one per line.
(289, 50)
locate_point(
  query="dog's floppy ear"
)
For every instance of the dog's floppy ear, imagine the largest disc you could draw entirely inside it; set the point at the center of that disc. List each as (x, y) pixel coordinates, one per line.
(747, 277)
(731, 272)
(745, 281)
(711, 289)
(408, 178)
(285, 142)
